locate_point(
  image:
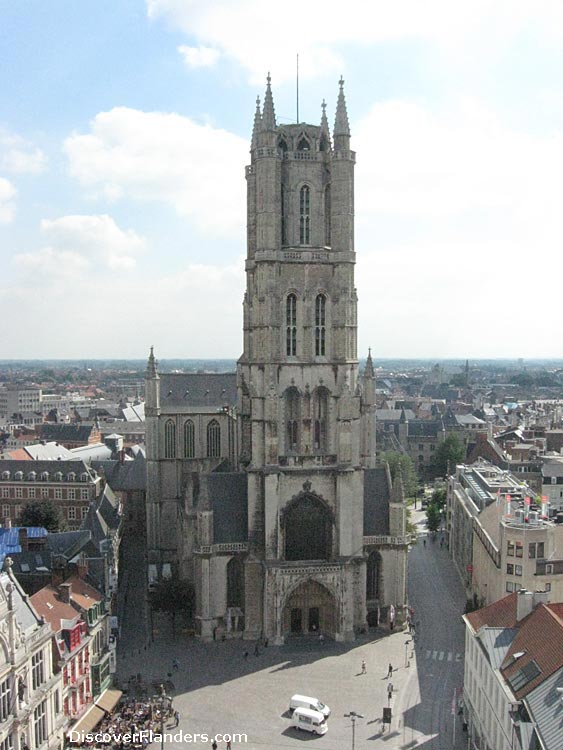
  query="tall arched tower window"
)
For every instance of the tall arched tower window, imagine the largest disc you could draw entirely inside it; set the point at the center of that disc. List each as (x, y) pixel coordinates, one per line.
(283, 217)
(291, 325)
(189, 439)
(213, 439)
(320, 325)
(320, 420)
(292, 419)
(327, 216)
(169, 439)
(305, 215)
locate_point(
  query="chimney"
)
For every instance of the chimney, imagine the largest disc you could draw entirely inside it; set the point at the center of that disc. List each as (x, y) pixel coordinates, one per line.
(7, 523)
(524, 604)
(65, 591)
(82, 568)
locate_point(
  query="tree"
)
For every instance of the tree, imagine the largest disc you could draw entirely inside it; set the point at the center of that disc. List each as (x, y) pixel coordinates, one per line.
(42, 513)
(439, 498)
(433, 517)
(448, 453)
(408, 473)
(173, 595)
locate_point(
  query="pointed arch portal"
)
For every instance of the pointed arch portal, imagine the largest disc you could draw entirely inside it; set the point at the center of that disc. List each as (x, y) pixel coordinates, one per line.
(310, 608)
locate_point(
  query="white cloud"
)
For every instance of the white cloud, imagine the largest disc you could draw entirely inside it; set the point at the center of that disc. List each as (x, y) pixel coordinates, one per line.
(255, 33)
(19, 156)
(164, 157)
(78, 244)
(199, 57)
(7, 204)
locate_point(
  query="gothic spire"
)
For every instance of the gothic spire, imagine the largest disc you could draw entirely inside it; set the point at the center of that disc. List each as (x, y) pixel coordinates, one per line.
(369, 372)
(152, 372)
(341, 125)
(324, 121)
(257, 124)
(268, 113)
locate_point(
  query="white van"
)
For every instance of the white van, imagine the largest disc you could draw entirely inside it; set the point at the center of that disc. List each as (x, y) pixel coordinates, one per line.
(309, 720)
(304, 701)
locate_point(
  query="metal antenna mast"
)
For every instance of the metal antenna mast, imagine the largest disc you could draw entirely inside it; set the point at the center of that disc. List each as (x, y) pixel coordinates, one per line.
(298, 88)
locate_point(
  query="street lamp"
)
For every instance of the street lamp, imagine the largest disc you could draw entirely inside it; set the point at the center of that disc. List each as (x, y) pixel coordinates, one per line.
(406, 653)
(353, 716)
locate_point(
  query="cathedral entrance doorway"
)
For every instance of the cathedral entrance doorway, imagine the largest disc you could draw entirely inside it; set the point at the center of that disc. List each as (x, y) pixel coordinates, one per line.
(310, 609)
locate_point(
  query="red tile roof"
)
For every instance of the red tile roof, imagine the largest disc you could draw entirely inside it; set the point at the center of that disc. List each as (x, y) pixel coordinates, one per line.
(500, 614)
(540, 638)
(49, 605)
(19, 454)
(82, 593)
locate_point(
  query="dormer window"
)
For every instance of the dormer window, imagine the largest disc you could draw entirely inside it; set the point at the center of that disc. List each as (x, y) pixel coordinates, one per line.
(58, 476)
(18, 476)
(84, 476)
(71, 477)
(44, 476)
(32, 476)
(5, 475)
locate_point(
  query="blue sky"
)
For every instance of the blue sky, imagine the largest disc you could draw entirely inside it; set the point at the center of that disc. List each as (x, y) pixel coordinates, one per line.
(124, 132)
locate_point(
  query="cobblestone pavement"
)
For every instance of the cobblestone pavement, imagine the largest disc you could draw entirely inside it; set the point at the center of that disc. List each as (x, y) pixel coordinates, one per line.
(218, 691)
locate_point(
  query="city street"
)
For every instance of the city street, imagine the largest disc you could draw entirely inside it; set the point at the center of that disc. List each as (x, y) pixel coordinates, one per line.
(217, 690)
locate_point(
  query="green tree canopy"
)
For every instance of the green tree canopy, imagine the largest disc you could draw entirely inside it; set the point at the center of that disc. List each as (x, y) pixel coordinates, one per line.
(42, 513)
(396, 459)
(448, 453)
(433, 517)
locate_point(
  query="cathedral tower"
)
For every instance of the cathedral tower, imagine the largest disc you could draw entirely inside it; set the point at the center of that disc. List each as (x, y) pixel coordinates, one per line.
(300, 397)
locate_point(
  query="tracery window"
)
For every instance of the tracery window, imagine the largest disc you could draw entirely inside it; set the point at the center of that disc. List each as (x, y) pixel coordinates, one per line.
(213, 439)
(291, 325)
(320, 325)
(320, 420)
(327, 216)
(292, 419)
(305, 215)
(169, 439)
(189, 439)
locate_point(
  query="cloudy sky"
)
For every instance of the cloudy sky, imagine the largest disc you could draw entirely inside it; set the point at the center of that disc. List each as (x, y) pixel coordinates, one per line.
(124, 129)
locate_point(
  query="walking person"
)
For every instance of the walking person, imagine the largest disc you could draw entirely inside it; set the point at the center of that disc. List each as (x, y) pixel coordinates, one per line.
(214, 745)
(228, 745)
(176, 717)
(424, 541)
(389, 692)
(364, 670)
(245, 656)
(390, 671)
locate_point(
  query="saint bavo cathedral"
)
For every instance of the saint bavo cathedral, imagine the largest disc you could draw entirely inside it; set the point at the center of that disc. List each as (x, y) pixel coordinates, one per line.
(263, 487)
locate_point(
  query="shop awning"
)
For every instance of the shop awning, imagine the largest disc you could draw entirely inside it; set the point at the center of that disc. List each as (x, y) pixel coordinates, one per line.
(91, 719)
(109, 699)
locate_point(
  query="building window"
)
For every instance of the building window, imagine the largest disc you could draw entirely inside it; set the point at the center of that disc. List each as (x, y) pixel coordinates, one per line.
(327, 216)
(31, 493)
(40, 723)
(5, 699)
(509, 587)
(19, 493)
(320, 325)
(292, 419)
(5, 511)
(213, 439)
(5, 492)
(549, 569)
(58, 493)
(519, 549)
(291, 325)
(535, 549)
(71, 513)
(517, 570)
(84, 494)
(305, 215)
(510, 548)
(283, 215)
(421, 446)
(71, 494)
(17, 511)
(37, 670)
(189, 439)
(548, 587)
(44, 493)
(510, 569)
(7, 743)
(169, 439)
(83, 513)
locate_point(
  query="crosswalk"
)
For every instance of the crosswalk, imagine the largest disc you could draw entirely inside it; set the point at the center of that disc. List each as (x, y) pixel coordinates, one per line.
(443, 656)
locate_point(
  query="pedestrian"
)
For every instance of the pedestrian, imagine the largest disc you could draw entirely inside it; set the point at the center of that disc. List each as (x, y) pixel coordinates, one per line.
(390, 671)
(245, 656)
(228, 745)
(266, 641)
(214, 745)
(364, 670)
(321, 638)
(389, 691)
(176, 717)
(175, 665)
(424, 541)
(256, 650)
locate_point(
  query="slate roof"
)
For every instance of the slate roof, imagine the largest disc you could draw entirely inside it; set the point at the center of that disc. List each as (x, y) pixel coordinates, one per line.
(47, 451)
(393, 415)
(65, 466)
(65, 432)
(229, 500)
(93, 452)
(201, 390)
(377, 494)
(426, 428)
(497, 641)
(26, 615)
(545, 705)
(126, 475)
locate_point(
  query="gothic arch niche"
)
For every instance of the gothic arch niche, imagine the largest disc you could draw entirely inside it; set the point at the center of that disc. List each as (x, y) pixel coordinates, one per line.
(235, 582)
(310, 608)
(213, 439)
(307, 523)
(305, 215)
(373, 587)
(320, 420)
(292, 408)
(169, 439)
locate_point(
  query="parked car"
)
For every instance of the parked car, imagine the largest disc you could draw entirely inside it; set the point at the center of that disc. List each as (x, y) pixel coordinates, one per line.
(304, 701)
(309, 720)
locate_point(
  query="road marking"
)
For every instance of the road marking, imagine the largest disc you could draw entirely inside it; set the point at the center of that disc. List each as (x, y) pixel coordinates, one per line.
(458, 657)
(442, 654)
(450, 656)
(428, 654)
(434, 654)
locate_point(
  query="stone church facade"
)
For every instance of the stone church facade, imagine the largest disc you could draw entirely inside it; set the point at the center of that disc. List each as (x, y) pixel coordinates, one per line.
(263, 487)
